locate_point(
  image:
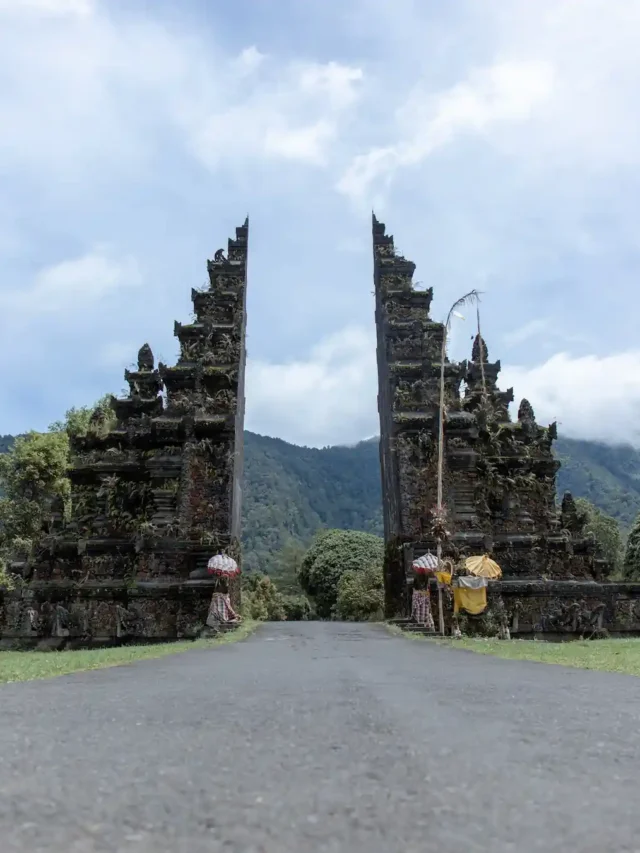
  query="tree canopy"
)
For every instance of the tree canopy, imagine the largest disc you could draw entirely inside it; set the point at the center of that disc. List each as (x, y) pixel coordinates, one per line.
(607, 533)
(331, 554)
(631, 566)
(361, 595)
(33, 473)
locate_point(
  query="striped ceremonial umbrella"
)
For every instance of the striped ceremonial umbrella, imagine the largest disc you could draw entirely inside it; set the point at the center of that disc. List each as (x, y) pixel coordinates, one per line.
(223, 566)
(427, 564)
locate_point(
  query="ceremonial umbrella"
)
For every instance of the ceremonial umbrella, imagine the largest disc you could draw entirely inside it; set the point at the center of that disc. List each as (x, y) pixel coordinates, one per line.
(223, 566)
(427, 564)
(483, 567)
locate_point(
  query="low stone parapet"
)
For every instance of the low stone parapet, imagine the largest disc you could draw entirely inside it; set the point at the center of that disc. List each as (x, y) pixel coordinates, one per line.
(59, 614)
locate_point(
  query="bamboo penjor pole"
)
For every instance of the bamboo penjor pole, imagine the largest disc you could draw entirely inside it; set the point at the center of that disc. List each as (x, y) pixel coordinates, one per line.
(472, 296)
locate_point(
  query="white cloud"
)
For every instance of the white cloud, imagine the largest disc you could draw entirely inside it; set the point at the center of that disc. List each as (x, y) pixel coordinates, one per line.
(330, 396)
(524, 333)
(336, 81)
(548, 85)
(73, 284)
(548, 333)
(306, 144)
(54, 8)
(591, 397)
(508, 91)
(248, 61)
(293, 114)
(100, 91)
(327, 398)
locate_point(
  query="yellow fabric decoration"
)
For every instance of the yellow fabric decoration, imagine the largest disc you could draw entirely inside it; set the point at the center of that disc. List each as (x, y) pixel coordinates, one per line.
(483, 567)
(474, 601)
(443, 577)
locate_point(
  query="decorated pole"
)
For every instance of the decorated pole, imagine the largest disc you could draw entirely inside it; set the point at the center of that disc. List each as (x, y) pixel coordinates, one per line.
(472, 296)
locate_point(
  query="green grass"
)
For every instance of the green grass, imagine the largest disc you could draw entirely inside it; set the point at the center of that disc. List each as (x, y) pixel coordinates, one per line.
(610, 655)
(27, 666)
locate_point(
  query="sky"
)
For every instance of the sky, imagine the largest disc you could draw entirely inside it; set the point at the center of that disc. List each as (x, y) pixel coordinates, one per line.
(500, 143)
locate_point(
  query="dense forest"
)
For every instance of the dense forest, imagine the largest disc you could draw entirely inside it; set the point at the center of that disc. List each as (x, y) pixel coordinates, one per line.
(606, 475)
(290, 491)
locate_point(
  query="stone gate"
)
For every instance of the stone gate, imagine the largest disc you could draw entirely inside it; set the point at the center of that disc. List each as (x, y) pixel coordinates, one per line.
(154, 495)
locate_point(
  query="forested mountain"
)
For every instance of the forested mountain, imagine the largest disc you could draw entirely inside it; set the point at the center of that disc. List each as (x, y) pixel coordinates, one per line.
(607, 475)
(292, 491)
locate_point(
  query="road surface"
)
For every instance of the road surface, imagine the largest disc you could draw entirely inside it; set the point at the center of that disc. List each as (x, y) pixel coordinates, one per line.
(322, 737)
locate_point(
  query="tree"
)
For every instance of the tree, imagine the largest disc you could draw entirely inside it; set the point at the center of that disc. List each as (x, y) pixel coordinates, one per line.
(261, 600)
(631, 566)
(33, 473)
(286, 566)
(297, 608)
(607, 533)
(361, 595)
(78, 422)
(331, 554)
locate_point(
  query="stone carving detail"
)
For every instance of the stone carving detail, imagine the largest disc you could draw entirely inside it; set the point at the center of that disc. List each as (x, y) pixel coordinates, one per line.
(61, 621)
(126, 622)
(479, 346)
(145, 358)
(525, 411)
(575, 616)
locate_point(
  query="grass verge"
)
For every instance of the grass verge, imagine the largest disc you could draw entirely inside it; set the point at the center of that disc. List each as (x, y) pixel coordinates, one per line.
(28, 666)
(620, 655)
(609, 655)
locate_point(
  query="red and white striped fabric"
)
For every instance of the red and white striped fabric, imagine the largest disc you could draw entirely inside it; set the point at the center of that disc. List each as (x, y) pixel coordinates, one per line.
(421, 609)
(426, 564)
(223, 565)
(220, 610)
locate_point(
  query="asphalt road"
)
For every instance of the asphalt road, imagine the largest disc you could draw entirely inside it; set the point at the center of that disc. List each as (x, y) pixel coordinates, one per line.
(322, 737)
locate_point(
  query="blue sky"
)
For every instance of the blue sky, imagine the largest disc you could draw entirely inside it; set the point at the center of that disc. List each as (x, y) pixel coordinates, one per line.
(499, 141)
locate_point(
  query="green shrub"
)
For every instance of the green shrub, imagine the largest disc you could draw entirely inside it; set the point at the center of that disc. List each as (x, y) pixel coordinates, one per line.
(631, 567)
(261, 600)
(607, 533)
(361, 595)
(297, 608)
(331, 554)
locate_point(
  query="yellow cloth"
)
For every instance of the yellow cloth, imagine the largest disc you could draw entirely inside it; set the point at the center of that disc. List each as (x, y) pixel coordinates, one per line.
(443, 577)
(474, 601)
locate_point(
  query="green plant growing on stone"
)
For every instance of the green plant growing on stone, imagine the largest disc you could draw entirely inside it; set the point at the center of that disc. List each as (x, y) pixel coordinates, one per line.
(79, 422)
(171, 487)
(6, 579)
